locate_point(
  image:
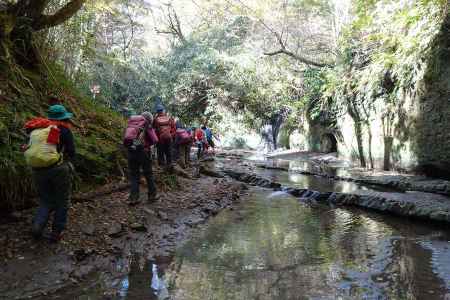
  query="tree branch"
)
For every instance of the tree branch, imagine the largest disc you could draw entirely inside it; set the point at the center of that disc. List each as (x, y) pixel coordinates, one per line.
(174, 25)
(297, 57)
(279, 38)
(284, 51)
(60, 16)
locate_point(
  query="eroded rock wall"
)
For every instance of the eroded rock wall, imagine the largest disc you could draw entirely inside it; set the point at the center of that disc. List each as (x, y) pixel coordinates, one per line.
(413, 135)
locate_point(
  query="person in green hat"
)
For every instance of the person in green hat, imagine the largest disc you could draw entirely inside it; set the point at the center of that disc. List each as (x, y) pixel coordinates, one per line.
(52, 178)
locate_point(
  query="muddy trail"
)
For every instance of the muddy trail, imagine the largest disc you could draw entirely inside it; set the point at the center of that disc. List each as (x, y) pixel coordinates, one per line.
(105, 232)
(272, 237)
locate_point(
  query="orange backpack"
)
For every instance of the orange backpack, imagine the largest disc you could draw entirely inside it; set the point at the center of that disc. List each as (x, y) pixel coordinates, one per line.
(164, 128)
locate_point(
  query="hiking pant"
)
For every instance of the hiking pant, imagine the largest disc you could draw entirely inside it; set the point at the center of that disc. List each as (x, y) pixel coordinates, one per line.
(164, 154)
(137, 160)
(199, 150)
(54, 187)
(184, 152)
(211, 143)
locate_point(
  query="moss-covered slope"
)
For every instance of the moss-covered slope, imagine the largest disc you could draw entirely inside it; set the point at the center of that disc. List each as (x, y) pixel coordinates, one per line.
(24, 94)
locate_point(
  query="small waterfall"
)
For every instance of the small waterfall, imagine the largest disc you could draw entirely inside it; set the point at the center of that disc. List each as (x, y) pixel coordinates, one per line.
(271, 130)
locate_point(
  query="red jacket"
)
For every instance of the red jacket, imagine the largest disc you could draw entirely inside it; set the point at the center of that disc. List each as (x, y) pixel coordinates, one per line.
(199, 135)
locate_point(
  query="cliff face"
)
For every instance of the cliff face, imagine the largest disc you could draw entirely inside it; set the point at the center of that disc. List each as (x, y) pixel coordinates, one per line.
(431, 141)
(394, 97)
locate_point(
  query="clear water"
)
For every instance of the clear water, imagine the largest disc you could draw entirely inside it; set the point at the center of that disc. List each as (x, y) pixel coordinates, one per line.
(273, 246)
(317, 183)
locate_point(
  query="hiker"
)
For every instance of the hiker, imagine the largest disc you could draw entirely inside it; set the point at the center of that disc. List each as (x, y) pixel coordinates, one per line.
(138, 139)
(165, 130)
(183, 142)
(200, 141)
(209, 137)
(49, 152)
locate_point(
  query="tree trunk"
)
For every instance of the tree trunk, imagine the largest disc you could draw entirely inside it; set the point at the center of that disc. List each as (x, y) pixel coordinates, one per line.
(24, 47)
(7, 24)
(359, 141)
(354, 114)
(388, 142)
(20, 21)
(275, 131)
(372, 164)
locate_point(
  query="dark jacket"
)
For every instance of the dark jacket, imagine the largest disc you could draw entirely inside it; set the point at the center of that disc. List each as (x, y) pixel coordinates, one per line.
(66, 143)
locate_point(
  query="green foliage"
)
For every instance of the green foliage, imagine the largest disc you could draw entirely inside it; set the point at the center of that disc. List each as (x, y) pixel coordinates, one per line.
(380, 61)
(97, 137)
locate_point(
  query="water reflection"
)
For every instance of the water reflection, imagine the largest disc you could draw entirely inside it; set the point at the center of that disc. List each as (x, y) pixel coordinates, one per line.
(143, 281)
(274, 247)
(310, 182)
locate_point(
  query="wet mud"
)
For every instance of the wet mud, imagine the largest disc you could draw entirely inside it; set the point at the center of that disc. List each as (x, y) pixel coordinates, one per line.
(104, 235)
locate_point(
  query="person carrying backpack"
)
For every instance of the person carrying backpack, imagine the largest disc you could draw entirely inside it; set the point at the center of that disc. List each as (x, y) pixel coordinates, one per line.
(209, 137)
(49, 152)
(183, 142)
(138, 139)
(200, 141)
(165, 130)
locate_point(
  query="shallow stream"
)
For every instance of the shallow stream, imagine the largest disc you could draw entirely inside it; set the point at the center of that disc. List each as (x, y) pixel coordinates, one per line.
(274, 246)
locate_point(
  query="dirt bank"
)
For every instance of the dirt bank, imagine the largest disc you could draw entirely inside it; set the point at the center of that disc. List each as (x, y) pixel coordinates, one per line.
(104, 231)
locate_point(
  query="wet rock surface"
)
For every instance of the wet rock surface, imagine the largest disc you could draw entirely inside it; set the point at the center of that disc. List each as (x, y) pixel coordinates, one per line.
(413, 204)
(399, 182)
(252, 179)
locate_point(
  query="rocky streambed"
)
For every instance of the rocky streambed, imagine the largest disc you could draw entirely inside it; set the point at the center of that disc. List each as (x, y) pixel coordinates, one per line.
(401, 182)
(412, 204)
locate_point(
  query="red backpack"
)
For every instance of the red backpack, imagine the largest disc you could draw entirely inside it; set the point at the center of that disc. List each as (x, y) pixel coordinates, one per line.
(164, 128)
(184, 137)
(134, 135)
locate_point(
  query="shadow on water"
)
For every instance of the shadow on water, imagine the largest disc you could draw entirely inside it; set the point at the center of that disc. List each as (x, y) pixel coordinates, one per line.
(141, 279)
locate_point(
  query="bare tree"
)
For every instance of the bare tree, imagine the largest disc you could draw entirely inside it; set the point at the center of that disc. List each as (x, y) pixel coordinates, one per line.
(291, 33)
(172, 24)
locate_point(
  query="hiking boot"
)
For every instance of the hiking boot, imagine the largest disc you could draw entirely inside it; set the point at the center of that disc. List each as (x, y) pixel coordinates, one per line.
(153, 197)
(37, 231)
(53, 237)
(133, 200)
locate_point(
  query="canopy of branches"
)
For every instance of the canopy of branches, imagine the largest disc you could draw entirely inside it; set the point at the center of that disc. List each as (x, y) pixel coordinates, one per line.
(255, 58)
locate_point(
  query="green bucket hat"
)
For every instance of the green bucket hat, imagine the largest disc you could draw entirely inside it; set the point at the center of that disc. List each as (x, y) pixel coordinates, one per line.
(58, 112)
